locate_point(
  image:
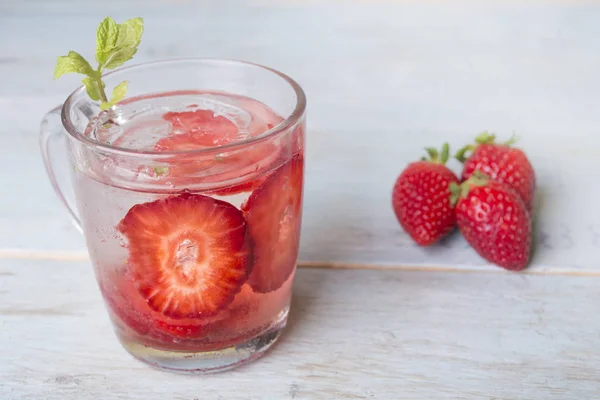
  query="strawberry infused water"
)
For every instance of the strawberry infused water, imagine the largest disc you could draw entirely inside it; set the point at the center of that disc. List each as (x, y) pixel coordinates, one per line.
(193, 224)
(190, 201)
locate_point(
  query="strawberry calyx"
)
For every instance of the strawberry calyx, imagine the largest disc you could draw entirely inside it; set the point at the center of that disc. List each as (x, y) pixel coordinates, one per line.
(483, 138)
(513, 139)
(458, 191)
(437, 157)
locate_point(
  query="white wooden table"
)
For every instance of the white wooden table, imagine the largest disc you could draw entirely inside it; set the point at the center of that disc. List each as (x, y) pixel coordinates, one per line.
(374, 316)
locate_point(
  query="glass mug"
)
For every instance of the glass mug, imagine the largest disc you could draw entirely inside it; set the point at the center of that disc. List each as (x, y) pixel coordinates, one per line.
(189, 195)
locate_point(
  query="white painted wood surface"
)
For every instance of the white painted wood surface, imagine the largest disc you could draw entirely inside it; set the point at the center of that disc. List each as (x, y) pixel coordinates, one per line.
(383, 78)
(354, 334)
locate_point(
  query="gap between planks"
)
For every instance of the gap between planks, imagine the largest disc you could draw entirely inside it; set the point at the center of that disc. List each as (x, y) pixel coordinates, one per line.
(82, 256)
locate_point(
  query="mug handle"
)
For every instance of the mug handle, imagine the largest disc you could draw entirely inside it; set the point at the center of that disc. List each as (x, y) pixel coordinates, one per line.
(51, 128)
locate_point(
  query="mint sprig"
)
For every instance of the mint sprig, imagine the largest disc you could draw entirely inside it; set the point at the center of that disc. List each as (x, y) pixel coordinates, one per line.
(115, 45)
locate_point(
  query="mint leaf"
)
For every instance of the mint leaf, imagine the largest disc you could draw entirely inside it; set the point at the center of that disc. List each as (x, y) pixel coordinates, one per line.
(120, 57)
(93, 89)
(130, 33)
(115, 45)
(128, 39)
(72, 62)
(119, 92)
(117, 95)
(106, 39)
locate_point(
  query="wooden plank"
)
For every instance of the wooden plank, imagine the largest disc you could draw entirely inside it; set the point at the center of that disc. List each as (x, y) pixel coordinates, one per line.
(352, 335)
(384, 79)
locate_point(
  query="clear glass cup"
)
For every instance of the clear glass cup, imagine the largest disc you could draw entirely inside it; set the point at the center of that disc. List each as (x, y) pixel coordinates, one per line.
(189, 195)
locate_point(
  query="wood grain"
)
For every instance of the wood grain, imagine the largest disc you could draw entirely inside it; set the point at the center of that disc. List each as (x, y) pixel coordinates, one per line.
(384, 79)
(352, 335)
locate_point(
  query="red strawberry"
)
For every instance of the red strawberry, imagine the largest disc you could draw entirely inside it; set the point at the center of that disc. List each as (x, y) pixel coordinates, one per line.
(194, 130)
(273, 212)
(251, 312)
(500, 162)
(200, 129)
(421, 201)
(188, 255)
(133, 311)
(494, 220)
(179, 330)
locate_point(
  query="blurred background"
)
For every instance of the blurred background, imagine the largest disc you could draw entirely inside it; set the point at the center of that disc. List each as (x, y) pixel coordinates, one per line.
(383, 80)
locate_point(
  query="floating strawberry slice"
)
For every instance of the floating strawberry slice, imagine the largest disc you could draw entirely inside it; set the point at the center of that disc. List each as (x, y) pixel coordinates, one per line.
(201, 129)
(196, 129)
(188, 255)
(273, 212)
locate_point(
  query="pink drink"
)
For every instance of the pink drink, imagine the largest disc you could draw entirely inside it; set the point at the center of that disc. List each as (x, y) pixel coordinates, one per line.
(195, 251)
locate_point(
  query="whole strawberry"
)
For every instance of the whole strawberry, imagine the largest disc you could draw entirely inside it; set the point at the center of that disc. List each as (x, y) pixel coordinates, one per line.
(421, 198)
(494, 220)
(500, 162)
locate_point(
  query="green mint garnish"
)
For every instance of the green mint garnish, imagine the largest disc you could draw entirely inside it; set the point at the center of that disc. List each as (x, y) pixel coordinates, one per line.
(115, 45)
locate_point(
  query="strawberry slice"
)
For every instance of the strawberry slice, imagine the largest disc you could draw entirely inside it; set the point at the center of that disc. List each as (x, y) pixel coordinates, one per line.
(196, 129)
(180, 330)
(273, 212)
(247, 186)
(251, 312)
(201, 129)
(188, 255)
(134, 312)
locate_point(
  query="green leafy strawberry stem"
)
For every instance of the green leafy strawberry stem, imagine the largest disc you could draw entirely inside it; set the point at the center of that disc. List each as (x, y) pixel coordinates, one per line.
(457, 191)
(115, 45)
(483, 138)
(437, 157)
